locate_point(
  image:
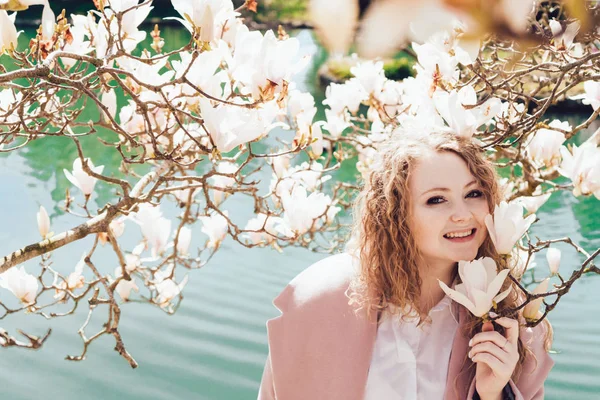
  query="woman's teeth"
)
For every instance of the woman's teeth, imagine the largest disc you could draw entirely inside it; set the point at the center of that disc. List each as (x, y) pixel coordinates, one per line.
(459, 235)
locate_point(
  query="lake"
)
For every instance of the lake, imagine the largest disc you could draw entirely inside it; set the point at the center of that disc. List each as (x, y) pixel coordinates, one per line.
(215, 346)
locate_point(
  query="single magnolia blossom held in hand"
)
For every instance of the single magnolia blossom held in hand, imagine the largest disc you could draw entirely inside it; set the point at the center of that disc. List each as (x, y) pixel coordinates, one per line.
(531, 310)
(553, 256)
(23, 285)
(480, 285)
(507, 225)
(79, 178)
(43, 222)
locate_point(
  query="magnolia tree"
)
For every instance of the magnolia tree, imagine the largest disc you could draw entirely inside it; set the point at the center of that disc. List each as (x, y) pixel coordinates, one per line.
(207, 118)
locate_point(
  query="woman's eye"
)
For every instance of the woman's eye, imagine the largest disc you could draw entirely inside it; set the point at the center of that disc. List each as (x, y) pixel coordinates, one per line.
(435, 200)
(475, 193)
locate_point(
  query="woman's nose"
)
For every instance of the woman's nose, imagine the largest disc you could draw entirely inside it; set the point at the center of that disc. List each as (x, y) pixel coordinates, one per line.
(461, 213)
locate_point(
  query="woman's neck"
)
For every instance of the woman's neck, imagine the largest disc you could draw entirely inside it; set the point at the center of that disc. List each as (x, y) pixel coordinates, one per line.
(431, 292)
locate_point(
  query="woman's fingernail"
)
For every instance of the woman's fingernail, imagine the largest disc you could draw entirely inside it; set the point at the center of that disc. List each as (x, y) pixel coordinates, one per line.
(469, 354)
(471, 342)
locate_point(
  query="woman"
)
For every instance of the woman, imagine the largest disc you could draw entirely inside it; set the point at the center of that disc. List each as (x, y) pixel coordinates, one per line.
(373, 323)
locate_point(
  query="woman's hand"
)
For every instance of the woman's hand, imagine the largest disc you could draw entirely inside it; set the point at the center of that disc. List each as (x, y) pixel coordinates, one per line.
(496, 357)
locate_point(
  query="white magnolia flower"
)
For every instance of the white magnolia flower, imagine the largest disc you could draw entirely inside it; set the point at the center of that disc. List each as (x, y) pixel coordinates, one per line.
(507, 225)
(202, 74)
(8, 100)
(545, 145)
(117, 227)
(553, 257)
(531, 310)
(317, 143)
(510, 112)
(43, 222)
(185, 238)
(109, 100)
(167, 290)
(370, 75)
(301, 105)
(231, 126)
(348, 95)
(592, 94)
(400, 21)
(23, 285)
(462, 120)
(155, 228)
(75, 280)
(533, 203)
(79, 178)
(517, 13)
(308, 175)
(301, 210)
(266, 227)
(437, 68)
(80, 28)
(582, 166)
(124, 287)
(563, 39)
(336, 124)
(335, 22)
(216, 227)
(205, 15)
(221, 181)
(480, 285)
(8, 31)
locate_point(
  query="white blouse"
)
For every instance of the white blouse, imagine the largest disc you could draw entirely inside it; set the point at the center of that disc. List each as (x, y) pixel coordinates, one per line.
(411, 362)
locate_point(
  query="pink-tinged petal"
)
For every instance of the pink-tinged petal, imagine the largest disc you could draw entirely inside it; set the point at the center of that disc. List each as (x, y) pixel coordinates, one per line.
(491, 269)
(489, 223)
(483, 303)
(532, 308)
(497, 283)
(524, 227)
(502, 295)
(475, 276)
(553, 256)
(457, 296)
(71, 178)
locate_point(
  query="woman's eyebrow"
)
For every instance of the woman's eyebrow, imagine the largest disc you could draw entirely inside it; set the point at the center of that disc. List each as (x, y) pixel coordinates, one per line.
(443, 189)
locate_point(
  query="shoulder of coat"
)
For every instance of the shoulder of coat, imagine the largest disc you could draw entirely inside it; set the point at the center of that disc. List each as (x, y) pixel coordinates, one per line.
(325, 281)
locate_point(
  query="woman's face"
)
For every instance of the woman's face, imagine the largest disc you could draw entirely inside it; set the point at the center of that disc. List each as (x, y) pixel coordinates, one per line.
(446, 203)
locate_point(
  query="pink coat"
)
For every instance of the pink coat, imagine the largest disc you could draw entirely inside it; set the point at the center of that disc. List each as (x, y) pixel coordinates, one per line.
(320, 349)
